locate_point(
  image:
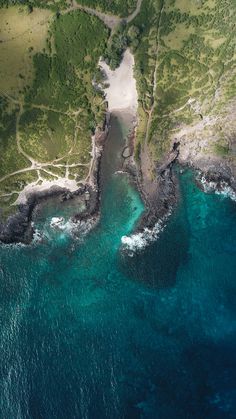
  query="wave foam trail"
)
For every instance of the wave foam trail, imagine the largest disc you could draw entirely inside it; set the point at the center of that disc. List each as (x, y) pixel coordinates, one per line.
(139, 241)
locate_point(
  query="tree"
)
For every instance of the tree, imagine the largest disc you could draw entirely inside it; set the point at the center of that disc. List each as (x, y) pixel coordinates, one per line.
(133, 36)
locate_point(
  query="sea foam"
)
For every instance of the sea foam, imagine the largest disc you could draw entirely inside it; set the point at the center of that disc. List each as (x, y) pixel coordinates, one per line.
(222, 188)
(138, 241)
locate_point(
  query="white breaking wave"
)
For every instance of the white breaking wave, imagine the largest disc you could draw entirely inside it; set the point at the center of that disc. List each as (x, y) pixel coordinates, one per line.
(63, 228)
(12, 245)
(72, 228)
(139, 241)
(222, 188)
(37, 236)
(57, 222)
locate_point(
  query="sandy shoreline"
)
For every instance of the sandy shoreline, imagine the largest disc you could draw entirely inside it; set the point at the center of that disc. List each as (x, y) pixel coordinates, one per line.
(121, 93)
(46, 185)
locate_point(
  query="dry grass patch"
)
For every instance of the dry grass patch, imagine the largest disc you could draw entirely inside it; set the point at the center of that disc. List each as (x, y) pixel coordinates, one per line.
(22, 34)
(193, 7)
(176, 38)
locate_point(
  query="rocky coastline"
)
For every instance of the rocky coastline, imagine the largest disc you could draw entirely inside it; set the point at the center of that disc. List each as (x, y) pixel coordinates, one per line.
(19, 227)
(157, 182)
(160, 204)
(161, 195)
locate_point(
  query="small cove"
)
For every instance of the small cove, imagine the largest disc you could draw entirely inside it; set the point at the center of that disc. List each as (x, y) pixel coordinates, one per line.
(89, 332)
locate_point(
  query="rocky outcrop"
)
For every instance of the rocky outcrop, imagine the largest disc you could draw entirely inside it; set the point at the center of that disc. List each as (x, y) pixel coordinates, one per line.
(18, 228)
(159, 194)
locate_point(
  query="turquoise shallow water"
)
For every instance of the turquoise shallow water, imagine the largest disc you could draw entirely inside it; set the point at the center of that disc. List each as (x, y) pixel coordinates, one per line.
(88, 332)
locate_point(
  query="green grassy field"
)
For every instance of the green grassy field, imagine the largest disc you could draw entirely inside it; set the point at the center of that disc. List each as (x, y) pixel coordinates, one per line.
(48, 105)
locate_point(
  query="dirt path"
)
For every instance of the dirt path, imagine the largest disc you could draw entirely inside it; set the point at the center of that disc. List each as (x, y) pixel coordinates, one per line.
(35, 106)
(35, 165)
(20, 149)
(147, 163)
(135, 12)
(111, 21)
(154, 78)
(41, 166)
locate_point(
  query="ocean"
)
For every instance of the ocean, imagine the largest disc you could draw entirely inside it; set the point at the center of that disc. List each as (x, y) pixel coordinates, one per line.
(88, 330)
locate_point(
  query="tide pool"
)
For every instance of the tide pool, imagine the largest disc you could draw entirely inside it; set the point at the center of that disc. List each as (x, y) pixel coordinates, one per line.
(88, 332)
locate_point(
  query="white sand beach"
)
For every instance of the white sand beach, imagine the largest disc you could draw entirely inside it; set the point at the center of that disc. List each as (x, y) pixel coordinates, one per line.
(122, 92)
(45, 185)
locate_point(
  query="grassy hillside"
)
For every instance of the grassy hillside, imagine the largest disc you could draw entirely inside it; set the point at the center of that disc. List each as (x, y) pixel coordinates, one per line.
(189, 46)
(48, 105)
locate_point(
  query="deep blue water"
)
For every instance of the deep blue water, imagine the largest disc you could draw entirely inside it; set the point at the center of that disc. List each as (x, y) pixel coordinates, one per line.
(88, 332)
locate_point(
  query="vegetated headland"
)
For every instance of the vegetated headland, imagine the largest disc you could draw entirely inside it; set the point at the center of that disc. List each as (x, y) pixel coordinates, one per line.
(59, 83)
